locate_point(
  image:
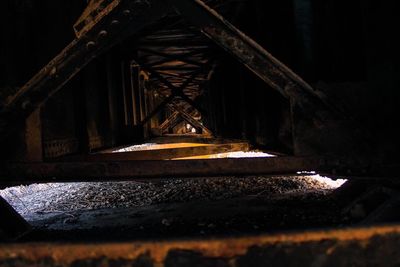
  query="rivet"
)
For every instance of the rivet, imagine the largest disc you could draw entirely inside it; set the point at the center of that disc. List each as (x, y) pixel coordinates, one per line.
(114, 22)
(90, 45)
(53, 71)
(103, 34)
(26, 104)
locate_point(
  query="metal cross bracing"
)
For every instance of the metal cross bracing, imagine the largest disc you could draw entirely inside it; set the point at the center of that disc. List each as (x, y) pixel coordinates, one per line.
(176, 51)
(178, 60)
(106, 23)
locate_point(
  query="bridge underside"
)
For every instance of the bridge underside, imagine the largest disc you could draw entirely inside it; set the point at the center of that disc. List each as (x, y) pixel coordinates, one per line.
(180, 89)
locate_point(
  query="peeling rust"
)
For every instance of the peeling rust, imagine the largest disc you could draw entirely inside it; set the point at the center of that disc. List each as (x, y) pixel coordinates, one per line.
(304, 248)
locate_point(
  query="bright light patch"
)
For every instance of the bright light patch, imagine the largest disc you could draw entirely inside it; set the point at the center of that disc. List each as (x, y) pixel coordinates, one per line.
(333, 184)
(135, 148)
(243, 154)
(307, 172)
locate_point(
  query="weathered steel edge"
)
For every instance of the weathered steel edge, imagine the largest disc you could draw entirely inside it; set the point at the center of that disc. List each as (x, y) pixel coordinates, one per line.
(168, 153)
(226, 248)
(127, 18)
(135, 170)
(253, 56)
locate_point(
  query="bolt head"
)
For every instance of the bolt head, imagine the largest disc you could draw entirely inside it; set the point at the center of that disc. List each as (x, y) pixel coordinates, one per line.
(90, 45)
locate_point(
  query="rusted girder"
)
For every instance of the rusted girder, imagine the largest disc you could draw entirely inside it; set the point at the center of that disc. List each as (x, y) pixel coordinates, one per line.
(187, 117)
(123, 18)
(169, 153)
(137, 170)
(118, 19)
(178, 91)
(255, 57)
(252, 55)
(169, 120)
(93, 13)
(157, 109)
(372, 246)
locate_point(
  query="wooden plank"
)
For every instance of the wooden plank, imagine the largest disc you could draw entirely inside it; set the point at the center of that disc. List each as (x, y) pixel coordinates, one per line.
(13, 172)
(169, 153)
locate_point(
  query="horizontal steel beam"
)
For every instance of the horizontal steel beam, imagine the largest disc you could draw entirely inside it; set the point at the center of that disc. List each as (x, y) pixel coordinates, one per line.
(168, 153)
(372, 246)
(137, 170)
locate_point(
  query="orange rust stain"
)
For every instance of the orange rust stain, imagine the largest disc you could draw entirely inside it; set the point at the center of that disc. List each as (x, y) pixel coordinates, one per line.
(223, 248)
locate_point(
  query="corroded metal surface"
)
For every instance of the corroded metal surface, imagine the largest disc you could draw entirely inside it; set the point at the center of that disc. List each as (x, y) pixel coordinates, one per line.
(169, 153)
(119, 19)
(374, 246)
(123, 20)
(94, 12)
(131, 170)
(251, 54)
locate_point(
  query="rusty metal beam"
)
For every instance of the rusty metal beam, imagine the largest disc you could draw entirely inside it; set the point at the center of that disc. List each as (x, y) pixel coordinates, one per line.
(121, 18)
(168, 153)
(187, 117)
(178, 91)
(252, 55)
(256, 58)
(183, 57)
(108, 28)
(13, 172)
(93, 13)
(367, 246)
(157, 109)
(169, 120)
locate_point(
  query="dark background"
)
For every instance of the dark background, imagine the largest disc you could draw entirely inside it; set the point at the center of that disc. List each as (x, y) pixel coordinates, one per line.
(347, 49)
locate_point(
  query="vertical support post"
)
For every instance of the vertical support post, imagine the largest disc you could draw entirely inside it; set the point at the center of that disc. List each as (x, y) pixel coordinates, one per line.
(134, 73)
(112, 102)
(127, 94)
(33, 137)
(143, 78)
(81, 119)
(26, 143)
